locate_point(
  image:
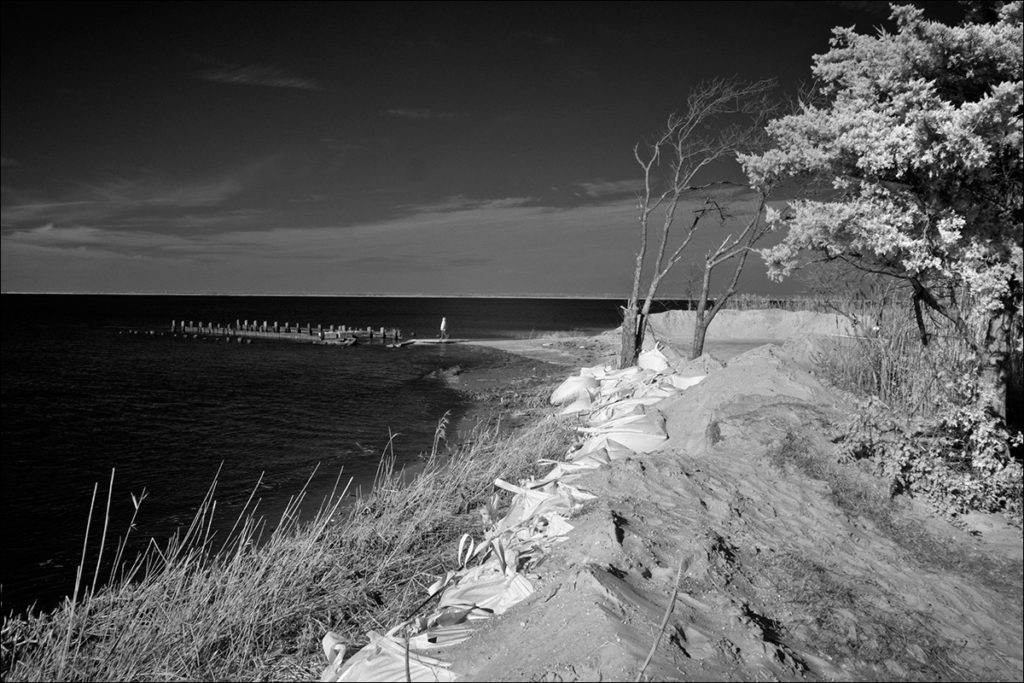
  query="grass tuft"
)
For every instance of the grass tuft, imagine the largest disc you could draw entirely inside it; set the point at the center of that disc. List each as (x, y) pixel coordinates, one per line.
(254, 606)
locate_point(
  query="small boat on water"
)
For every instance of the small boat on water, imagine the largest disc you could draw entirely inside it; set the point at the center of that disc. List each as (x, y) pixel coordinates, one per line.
(398, 345)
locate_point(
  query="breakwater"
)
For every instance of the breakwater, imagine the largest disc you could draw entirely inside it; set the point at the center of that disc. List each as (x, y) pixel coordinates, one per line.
(323, 334)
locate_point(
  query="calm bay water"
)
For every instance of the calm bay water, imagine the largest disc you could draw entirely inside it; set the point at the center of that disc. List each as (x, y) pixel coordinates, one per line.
(80, 397)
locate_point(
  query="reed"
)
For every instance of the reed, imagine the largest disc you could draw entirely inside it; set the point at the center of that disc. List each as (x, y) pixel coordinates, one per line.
(889, 362)
(815, 303)
(254, 606)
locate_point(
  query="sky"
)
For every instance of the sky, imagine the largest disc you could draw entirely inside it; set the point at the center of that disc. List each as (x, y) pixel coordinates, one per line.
(349, 148)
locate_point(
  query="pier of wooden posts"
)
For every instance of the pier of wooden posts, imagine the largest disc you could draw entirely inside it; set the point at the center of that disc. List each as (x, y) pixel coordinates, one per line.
(248, 330)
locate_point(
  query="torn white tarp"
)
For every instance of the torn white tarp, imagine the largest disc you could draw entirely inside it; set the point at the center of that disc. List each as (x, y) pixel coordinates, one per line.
(486, 590)
(549, 497)
(387, 658)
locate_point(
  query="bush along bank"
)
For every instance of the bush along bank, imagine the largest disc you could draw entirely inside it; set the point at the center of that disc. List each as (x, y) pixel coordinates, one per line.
(920, 422)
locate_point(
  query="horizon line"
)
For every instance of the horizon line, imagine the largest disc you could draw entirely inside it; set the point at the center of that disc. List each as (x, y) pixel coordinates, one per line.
(398, 295)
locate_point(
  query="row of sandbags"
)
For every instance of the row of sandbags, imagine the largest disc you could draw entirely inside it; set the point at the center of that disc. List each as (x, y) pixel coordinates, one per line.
(496, 573)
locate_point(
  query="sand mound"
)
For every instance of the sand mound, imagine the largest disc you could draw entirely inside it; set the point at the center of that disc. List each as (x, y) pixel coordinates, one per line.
(769, 324)
(793, 566)
(762, 374)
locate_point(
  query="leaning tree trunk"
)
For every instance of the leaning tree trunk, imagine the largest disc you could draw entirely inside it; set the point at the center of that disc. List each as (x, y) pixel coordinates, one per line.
(700, 331)
(700, 324)
(632, 336)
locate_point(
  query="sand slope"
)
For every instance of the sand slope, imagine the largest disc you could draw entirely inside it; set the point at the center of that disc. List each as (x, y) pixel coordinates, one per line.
(794, 566)
(771, 324)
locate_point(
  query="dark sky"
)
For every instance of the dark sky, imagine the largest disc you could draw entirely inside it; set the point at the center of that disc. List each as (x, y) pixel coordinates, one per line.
(469, 148)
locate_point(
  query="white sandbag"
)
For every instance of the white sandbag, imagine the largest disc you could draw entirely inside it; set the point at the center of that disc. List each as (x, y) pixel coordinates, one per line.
(601, 442)
(599, 456)
(572, 469)
(681, 383)
(570, 389)
(619, 409)
(441, 636)
(334, 650)
(626, 386)
(642, 433)
(551, 497)
(597, 372)
(582, 404)
(652, 360)
(384, 659)
(624, 373)
(655, 391)
(642, 422)
(488, 589)
(640, 442)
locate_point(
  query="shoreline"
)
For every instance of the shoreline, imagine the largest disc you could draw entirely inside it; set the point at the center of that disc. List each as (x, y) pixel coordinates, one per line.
(747, 485)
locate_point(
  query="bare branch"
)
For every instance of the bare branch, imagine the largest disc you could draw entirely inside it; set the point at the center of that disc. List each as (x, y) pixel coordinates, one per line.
(722, 117)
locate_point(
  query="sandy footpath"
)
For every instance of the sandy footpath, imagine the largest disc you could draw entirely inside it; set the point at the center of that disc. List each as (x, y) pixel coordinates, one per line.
(794, 566)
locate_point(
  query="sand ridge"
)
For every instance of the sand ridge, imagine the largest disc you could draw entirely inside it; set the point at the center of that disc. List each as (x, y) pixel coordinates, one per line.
(795, 565)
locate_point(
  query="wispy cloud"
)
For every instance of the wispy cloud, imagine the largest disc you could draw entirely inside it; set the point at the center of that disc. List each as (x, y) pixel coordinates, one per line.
(602, 190)
(265, 76)
(424, 114)
(97, 201)
(8, 163)
(456, 246)
(456, 203)
(608, 188)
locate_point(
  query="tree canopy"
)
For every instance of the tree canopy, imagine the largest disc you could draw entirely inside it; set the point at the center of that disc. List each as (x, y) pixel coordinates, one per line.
(918, 131)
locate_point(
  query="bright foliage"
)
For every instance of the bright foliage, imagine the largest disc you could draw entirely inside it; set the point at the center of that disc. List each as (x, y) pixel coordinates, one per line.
(920, 134)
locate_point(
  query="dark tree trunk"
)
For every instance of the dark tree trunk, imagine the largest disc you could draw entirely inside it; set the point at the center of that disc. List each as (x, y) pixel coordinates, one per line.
(701, 319)
(700, 331)
(632, 336)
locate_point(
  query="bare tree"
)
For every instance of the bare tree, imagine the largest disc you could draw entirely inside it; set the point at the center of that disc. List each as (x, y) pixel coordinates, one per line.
(722, 117)
(733, 248)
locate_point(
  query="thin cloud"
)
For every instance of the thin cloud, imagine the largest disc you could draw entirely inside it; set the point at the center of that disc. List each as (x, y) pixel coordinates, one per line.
(513, 248)
(8, 163)
(456, 203)
(424, 114)
(602, 190)
(99, 201)
(608, 188)
(265, 76)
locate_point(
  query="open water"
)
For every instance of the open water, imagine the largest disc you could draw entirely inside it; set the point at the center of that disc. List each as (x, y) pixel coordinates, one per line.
(81, 396)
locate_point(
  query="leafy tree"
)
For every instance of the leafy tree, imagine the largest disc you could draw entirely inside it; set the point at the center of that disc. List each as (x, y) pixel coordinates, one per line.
(919, 133)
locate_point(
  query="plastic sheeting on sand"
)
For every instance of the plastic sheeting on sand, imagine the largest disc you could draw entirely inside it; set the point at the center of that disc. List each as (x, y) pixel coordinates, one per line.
(386, 659)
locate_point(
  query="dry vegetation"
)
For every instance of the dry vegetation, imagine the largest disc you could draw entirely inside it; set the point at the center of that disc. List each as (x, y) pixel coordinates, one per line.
(919, 419)
(247, 609)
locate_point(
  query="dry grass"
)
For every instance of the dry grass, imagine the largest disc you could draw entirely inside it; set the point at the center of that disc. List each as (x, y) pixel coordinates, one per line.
(815, 303)
(255, 608)
(891, 364)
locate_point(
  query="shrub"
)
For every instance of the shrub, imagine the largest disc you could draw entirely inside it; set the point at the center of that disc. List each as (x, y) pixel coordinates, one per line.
(919, 418)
